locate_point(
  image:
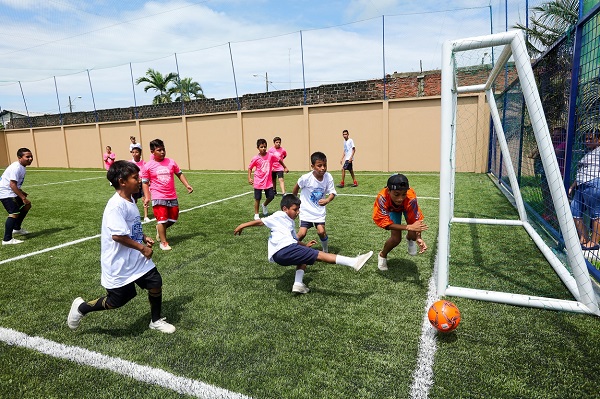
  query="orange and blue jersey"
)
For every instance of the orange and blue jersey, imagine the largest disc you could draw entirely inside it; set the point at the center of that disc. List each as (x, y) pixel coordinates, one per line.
(383, 207)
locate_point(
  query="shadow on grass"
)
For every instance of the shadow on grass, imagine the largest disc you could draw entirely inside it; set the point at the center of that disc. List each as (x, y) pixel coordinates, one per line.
(171, 309)
(400, 270)
(45, 232)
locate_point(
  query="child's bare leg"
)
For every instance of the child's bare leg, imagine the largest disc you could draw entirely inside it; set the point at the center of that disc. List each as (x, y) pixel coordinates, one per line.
(391, 243)
(301, 233)
(267, 201)
(323, 236)
(343, 175)
(161, 229)
(282, 185)
(256, 203)
(595, 239)
(581, 229)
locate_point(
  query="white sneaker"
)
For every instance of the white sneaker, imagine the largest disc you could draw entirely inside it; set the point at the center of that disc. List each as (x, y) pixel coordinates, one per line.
(265, 210)
(382, 263)
(75, 317)
(361, 260)
(146, 219)
(300, 288)
(412, 247)
(22, 232)
(162, 326)
(11, 241)
(256, 217)
(165, 246)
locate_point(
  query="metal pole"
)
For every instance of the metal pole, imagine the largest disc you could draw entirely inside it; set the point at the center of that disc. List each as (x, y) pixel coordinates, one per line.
(25, 102)
(237, 98)
(92, 91)
(58, 101)
(180, 86)
(70, 105)
(133, 88)
(303, 77)
(383, 53)
(267, 81)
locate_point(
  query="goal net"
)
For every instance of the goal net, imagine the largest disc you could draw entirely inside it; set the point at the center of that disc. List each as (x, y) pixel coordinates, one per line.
(462, 61)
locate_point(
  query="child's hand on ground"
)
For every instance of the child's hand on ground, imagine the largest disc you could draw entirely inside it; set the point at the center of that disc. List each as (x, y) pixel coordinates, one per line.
(238, 231)
(422, 245)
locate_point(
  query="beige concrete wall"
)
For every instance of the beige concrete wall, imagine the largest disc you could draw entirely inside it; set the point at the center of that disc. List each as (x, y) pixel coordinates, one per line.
(394, 135)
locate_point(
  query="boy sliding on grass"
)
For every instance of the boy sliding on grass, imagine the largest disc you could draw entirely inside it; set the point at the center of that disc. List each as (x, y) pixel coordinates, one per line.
(391, 202)
(125, 260)
(285, 249)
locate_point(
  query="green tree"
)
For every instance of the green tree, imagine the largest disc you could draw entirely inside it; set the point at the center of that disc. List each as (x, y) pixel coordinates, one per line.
(186, 88)
(549, 21)
(159, 83)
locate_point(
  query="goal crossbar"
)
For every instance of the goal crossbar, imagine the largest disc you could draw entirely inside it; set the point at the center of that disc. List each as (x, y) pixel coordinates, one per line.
(577, 280)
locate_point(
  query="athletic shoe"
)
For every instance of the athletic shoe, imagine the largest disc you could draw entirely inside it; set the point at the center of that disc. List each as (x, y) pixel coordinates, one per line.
(300, 288)
(341, 185)
(256, 217)
(75, 317)
(361, 260)
(22, 232)
(382, 263)
(162, 326)
(146, 219)
(11, 241)
(355, 184)
(265, 210)
(165, 246)
(412, 247)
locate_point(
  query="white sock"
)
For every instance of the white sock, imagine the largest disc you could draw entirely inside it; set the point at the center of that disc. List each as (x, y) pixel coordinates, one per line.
(325, 244)
(299, 276)
(344, 260)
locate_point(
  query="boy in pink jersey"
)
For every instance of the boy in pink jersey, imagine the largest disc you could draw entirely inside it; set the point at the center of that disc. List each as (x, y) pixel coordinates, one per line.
(159, 185)
(108, 157)
(263, 180)
(136, 153)
(278, 170)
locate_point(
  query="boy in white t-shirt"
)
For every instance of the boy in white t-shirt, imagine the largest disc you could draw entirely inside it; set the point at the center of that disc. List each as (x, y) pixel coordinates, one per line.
(13, 198)
(318, 190)
(126, 254)
(348, 159)
(285, 249)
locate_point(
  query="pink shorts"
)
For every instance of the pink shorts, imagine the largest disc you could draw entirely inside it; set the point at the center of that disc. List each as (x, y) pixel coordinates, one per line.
(164, 213)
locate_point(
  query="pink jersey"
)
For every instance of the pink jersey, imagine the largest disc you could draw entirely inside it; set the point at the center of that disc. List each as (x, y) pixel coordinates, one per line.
(262, 174)
(161, 178)
(108, 159)
(141, 164)
(280, 153)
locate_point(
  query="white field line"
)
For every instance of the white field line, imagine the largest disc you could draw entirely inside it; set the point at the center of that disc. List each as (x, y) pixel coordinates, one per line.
(138, 372)
(423, 374)
(98, 235)
(63, 182)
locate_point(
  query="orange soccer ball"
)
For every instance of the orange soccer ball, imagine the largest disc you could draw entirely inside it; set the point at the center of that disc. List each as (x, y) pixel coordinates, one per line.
(444, 315)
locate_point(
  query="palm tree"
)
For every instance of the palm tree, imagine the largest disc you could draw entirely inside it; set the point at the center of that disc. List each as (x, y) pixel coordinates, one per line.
(186, 88)
(548, 23)
(157, 82)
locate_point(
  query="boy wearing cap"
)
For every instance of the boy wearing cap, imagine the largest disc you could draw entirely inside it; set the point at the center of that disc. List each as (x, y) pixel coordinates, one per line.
(395, 199)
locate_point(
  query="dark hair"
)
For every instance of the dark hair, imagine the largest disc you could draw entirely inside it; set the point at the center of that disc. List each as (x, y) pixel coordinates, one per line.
(317, 156)
(288, 200)
(22, 151)
(260, 141)
(277, 138)
(136, 148)
(120, 170)
(345, 131)
(156, 143)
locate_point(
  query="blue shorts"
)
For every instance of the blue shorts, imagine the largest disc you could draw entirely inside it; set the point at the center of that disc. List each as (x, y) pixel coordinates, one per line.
(12, 205)
(308, 225)
(347, 166)
(269, 193)
(296, 254)
(587, 199)
(396, 217)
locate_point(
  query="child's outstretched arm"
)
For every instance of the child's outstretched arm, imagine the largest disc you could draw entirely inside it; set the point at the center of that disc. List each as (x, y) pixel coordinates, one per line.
(185, 183)
(238, 230)
(295, 190)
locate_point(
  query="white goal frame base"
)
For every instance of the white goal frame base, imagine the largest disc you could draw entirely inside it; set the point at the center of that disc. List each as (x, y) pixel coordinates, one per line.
(578, 282)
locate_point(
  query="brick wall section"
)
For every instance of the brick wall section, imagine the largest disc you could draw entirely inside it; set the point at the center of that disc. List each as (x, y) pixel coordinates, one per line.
(398, 85)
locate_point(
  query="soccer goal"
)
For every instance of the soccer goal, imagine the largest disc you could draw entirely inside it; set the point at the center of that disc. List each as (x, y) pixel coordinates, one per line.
(570, 268)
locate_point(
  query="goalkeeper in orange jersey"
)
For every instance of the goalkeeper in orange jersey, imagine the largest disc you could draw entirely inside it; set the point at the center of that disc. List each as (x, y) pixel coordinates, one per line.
(396, 199)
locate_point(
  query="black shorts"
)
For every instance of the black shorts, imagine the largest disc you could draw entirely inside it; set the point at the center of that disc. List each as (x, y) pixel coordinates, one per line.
(12, 205)
(308, 225)
(117, 297)
(347, 166)
(277, 174)
(269, 193)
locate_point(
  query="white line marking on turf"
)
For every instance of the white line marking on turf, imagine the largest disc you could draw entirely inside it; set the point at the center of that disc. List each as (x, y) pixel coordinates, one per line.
(98, 235)
(62, 182)
(97, 360)
(423, 374)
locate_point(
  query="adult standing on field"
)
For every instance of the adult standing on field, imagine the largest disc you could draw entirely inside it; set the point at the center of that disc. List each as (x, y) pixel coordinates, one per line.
(348, 159)
(13, 198)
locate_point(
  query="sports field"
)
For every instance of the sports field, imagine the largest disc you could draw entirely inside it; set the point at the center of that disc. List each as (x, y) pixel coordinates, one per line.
(242, 333)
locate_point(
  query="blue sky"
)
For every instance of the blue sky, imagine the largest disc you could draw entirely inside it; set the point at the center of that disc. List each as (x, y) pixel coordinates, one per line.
(111, 40)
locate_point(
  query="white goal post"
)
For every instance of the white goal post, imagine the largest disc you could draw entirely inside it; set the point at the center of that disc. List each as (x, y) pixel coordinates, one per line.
(577, 280)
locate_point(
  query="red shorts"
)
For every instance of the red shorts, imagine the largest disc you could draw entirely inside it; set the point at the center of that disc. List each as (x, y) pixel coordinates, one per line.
(164, 213)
